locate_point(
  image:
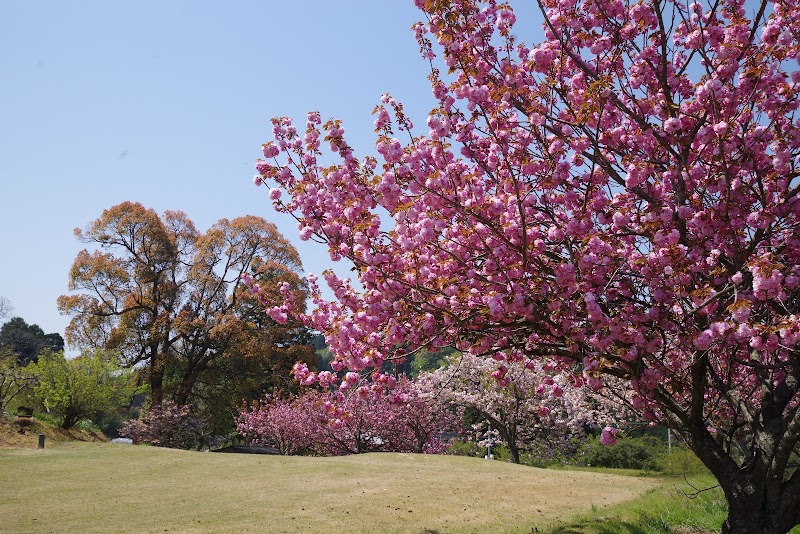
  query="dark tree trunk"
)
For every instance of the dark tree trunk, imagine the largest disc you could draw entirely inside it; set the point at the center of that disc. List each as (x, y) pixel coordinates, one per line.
(509, 435)
(69, 420)
(186, 386)
(156, 384)
(758, 503)
(762, 497)
(755, 515)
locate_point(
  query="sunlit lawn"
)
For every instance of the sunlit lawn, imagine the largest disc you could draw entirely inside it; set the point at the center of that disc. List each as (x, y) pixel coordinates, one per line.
(82, 487)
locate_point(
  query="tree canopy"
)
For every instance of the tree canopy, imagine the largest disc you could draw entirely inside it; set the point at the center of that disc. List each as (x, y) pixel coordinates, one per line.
(618, 200)
(86, 386)
(27, 341)
(172, 300)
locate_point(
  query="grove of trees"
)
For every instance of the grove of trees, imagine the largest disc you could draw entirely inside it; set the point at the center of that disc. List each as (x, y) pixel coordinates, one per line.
(408, 418)
(617, 201)
(526, 408)
(173, 302)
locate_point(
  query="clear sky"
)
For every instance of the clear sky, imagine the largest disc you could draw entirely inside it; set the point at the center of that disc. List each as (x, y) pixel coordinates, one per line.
(167, 104)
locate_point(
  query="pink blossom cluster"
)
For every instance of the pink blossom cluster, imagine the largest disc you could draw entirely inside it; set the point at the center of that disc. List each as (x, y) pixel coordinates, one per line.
(619, 200)
(403, 419)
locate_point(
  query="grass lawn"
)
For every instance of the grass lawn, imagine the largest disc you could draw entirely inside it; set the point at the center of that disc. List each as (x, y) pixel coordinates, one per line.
(94, 487)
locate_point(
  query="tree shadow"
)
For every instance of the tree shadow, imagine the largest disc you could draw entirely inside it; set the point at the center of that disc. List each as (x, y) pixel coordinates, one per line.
(601, 527)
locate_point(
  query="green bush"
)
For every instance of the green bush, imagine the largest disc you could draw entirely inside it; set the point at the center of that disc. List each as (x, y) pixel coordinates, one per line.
(87, 425)
(680, 462)
(465, 448)
(629, 453)
(49, 418)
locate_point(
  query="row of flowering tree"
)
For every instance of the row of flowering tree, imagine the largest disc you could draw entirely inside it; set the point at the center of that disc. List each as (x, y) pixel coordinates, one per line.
(370, 418)
(619, 200)
(527, 409)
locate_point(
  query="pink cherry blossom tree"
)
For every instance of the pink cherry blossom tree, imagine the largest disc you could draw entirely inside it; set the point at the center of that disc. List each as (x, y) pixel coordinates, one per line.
(404, 419)
(283, 423)
(617, 200)
(421, 418)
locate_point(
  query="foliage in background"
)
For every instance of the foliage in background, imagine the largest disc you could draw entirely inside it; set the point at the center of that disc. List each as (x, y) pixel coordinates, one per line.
(405, 419)
(642, 453)
(173, 302)
(526, 407)
(14, 379)
(27, 341)
(86, 386)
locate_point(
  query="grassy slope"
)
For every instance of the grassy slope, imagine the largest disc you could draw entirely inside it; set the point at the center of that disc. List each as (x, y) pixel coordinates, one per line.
(10, 437)
(90, 487)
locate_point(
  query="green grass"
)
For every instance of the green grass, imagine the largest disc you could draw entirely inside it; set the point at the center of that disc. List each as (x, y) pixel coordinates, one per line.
(81, 487)
(675, 505)
(692, 505)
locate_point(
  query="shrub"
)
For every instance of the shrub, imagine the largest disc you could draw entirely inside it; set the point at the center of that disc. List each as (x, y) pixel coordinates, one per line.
(629, 453)
(680, 462)
(87, 425)
(49, 418)
(166, 425)
(465, 448)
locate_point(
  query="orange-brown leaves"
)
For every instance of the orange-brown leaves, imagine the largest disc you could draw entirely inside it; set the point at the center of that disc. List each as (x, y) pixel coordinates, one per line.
(166, 295)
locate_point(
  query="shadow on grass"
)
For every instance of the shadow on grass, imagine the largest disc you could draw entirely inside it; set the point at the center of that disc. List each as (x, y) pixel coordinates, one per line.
(600, 526)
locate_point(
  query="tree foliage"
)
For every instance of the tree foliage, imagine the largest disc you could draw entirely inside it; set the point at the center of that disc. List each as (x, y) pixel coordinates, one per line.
(620, 199)
(86, 386)
(27, 341)
(5, 307)
(369, 418)
(172, 299)
(14, 379)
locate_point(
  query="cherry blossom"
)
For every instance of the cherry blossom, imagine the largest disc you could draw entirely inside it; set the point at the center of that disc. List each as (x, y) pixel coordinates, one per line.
(616, 202)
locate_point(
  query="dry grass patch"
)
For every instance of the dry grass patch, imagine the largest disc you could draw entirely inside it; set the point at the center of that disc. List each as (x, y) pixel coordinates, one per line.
(11, 438)
(107, 488)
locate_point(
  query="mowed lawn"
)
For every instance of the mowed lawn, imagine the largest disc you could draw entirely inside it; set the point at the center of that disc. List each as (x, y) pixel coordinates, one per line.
(93, 487)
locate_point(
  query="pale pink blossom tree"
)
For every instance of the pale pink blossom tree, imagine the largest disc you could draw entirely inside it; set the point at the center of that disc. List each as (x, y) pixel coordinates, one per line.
(527, 408)
(620, 198)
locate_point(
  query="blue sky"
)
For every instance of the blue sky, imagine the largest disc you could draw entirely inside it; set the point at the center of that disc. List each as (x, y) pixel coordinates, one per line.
(167, 104)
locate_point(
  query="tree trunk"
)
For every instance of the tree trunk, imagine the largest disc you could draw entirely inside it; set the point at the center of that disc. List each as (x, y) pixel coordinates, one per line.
(156, 385)
(745, 516)
(757, 502)
(69, 420)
